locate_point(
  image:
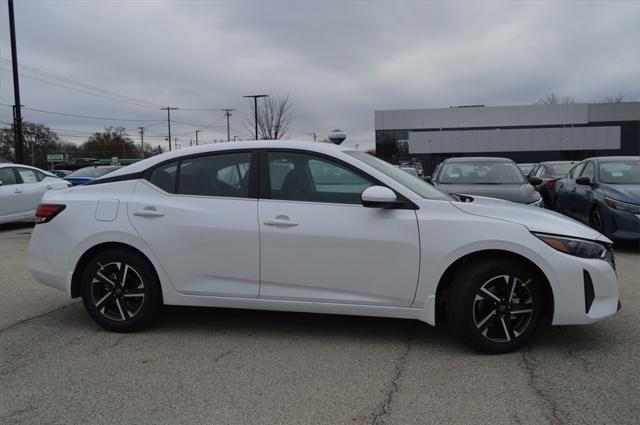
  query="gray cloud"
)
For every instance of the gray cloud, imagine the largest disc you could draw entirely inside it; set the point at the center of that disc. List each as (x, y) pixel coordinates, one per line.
(339, 61)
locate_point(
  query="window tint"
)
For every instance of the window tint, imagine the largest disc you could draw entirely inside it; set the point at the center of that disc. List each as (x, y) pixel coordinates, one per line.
(27, 175)
(216, 175)
(540, 171)
(576, 171)
(40, 175)
(7, 176)
(301, 177)
(164, 177)
(589, 171)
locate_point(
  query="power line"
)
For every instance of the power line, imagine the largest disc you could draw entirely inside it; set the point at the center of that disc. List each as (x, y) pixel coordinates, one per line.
(70, 81)
(83, 116)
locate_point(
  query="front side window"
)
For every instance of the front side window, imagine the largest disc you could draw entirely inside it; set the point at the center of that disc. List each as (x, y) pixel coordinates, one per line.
(576, 171)
(589, 171)
(302, 177)
(224, 175)
(7, 176)
(27, 175)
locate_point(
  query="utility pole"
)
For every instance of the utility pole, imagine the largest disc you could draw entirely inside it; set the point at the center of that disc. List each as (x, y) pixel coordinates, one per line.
(314, 135)
(17, 123)
(141, 131)
(357, 146)
(227, 113)
(197, 131)
(175, 142)
(169, 109)
(255, 108)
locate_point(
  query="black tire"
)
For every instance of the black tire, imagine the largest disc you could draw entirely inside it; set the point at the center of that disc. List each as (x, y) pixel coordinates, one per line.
(118, 306)
(596, 221)
(499, 322)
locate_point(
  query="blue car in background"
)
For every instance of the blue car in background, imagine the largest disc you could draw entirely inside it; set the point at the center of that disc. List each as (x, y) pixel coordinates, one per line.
(604, 193)
(86, 174)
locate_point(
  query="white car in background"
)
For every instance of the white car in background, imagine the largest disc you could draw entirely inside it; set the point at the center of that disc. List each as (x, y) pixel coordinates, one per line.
(311, 227)
(21, 189)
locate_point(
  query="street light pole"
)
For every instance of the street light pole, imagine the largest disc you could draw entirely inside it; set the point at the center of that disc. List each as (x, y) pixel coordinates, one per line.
(197, 131)
(255, 108)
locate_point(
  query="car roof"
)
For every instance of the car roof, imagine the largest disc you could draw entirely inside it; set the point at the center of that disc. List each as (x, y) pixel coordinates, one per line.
(478, 159)
(612, 158)
(319, 147)
(558, 162)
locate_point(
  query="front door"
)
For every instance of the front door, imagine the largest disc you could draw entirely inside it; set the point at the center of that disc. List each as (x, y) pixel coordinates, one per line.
(318, 243)
(200, 220)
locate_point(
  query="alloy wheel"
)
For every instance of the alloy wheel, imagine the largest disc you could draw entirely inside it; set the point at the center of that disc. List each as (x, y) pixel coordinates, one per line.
(117, 291)
(503, 308)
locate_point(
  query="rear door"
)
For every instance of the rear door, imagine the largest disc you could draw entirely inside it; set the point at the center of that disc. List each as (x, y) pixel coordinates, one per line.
(318, 243)
(199, 217)
(31, 191)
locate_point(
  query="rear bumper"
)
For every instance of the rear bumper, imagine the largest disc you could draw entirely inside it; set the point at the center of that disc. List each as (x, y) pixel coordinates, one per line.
(41, 268)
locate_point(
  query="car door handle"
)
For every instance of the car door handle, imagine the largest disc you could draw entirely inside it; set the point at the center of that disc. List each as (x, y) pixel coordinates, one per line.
(149, 212)
(280, 221)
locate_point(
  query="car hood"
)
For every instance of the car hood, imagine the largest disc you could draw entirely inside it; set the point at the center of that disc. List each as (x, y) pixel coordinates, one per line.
(623, 192)
(533, 218)
(521, 193)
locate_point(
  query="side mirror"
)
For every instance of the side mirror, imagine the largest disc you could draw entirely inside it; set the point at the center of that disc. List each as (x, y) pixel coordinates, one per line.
(584, 181)
(427, 179)
(379, 197)
(535, 180)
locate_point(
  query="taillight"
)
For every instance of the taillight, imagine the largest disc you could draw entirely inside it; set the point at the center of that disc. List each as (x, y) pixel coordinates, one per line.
(46, 212)
(550, 184)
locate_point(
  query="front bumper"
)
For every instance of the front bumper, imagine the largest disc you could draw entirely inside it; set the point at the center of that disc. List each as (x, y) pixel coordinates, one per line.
(584, 290)
(622, 225)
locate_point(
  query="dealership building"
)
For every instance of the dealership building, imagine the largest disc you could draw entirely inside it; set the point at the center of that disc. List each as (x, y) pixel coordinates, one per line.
(530, 133)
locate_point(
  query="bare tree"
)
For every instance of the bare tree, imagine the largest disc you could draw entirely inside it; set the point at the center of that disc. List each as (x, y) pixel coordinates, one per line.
(614, 99)
(274, 118)
(554, 99)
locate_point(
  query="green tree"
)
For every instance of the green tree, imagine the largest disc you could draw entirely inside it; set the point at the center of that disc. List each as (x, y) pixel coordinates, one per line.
(113, 141)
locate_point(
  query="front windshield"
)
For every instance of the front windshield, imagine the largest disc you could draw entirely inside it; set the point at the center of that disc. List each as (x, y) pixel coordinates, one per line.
(480, 172)
(559, 170)
(413, 183)
(92, 171)
(620, 172)
(526, 168)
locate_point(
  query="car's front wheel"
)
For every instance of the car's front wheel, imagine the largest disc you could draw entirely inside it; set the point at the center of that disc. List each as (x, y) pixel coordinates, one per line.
(120, 290)
(495, 305)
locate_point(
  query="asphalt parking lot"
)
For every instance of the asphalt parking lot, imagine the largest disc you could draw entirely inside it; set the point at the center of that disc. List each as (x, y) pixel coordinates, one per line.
(249, 367)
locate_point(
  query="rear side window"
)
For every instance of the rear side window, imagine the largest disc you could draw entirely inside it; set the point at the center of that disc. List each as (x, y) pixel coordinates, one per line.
(27, 175)
(224, 175)
(7, 176)
(164, 177)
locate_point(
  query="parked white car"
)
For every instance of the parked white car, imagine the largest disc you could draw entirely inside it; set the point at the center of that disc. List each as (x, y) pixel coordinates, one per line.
(311, 227)
(21, 189)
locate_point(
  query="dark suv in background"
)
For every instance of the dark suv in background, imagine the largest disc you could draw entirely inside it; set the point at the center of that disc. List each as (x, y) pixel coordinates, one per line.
(77, 163)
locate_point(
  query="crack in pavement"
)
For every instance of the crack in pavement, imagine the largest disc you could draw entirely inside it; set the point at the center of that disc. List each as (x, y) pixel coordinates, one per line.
(383, 408)
(28, 319)
(554, 409)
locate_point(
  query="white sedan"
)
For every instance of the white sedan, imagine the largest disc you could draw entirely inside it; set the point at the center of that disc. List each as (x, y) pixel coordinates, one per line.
(21, 189)
(311, 227)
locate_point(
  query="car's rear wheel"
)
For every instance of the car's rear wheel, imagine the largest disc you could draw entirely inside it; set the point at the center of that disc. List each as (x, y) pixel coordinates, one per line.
(495, 305)
(120, 290)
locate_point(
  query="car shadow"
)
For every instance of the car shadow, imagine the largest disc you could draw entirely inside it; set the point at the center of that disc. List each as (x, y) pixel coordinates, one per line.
(28, 226)
(632, 247)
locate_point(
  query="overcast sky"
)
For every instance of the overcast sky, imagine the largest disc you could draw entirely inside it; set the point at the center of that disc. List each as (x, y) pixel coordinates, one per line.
(338, 61)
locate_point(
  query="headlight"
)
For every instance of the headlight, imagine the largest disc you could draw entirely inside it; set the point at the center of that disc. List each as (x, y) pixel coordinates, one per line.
(538, 203)
(622, 206)
(578, 247)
